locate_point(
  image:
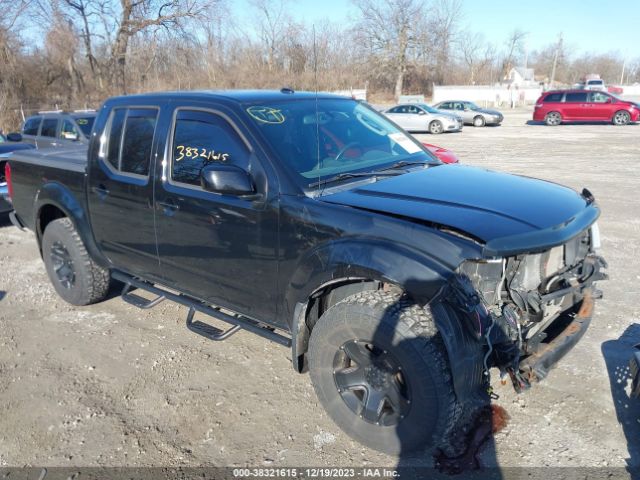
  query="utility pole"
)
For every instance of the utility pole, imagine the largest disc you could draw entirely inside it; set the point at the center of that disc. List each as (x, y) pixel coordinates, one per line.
(555, 61)
(624, 64)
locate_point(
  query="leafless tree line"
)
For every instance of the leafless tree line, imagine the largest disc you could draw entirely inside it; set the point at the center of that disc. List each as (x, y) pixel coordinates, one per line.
(74, 53)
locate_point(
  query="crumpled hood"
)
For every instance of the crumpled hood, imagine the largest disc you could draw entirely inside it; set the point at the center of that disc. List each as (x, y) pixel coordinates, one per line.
(487, 205)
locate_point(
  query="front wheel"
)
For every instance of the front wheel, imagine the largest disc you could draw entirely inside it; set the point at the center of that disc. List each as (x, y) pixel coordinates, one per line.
(380, 370)
(436, 127)
(478, 121)
(73, 273)
(621, 118)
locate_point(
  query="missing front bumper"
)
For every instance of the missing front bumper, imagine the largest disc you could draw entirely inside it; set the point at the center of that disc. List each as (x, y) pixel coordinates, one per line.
(535, 367)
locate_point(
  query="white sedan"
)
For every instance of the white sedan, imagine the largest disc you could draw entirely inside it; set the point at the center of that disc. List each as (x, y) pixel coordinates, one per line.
(420, 117)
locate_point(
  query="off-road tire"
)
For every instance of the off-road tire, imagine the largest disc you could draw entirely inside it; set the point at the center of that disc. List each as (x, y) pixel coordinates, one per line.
(436, 127)
(478, 121)
(90, 282)
(553, 119)
(621, 117)
(396, 324)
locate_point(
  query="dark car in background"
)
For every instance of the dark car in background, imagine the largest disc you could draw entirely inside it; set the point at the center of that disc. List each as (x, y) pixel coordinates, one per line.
(58, 128)
(6, 147)
(560, 106)
(471, 113)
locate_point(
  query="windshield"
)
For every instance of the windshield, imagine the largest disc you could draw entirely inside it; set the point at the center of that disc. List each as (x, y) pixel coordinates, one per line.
(1, 138)
(344, 137)
(85, 124)
(473, 106)
(429, 109)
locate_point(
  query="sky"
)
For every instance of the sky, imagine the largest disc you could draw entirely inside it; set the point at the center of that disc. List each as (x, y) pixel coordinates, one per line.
(586, 25)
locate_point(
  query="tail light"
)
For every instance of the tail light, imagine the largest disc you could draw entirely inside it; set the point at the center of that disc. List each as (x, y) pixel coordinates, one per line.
(7, 177)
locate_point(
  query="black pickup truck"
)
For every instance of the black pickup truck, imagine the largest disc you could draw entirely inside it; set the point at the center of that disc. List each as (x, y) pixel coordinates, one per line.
(315, 222)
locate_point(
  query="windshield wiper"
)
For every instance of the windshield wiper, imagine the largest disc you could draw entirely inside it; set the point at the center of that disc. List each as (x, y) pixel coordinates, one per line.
(342, 176)
(407, 163)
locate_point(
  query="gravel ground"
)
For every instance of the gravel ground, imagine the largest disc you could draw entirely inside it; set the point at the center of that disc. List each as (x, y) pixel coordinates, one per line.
(110, 385)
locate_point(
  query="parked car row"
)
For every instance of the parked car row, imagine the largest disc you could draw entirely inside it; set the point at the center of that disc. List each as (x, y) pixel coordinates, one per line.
(449, 116)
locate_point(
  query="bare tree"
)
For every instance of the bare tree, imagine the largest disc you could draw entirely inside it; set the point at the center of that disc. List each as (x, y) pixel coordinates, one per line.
(387, 30)
(476, 54)
(442, 30)
(515, 47)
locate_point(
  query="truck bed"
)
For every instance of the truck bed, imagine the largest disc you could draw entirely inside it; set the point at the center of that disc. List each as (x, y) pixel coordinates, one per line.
(31, 168)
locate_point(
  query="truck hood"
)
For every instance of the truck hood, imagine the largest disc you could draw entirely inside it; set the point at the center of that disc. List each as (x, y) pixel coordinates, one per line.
(508, 213)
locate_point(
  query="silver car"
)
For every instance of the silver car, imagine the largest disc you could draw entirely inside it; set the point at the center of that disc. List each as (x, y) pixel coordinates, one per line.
(420, 117)
(471, 113)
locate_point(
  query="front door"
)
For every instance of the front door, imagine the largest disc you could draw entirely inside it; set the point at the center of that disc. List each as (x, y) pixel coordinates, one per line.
(121, 192)
(220, 248)
(602, 107)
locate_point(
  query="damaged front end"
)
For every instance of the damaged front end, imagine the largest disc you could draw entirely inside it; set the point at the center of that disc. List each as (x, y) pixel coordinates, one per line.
(528, 310)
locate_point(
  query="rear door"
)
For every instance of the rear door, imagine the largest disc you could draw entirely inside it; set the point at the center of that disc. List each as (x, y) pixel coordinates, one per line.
(577, 106)
(401, 116)
(120, 192)
(48, 137)
(220, 248)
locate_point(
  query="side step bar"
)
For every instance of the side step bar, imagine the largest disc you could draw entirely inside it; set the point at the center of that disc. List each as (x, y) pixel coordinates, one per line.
(237, 321)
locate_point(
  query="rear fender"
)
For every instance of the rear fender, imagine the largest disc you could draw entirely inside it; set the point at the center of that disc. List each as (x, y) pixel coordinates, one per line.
(58, 196)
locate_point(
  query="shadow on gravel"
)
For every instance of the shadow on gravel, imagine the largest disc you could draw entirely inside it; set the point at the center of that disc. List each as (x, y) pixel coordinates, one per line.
(617, 354)
(2, 294)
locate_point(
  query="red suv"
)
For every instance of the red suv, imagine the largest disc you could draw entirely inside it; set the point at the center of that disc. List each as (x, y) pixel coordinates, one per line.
(559, 106)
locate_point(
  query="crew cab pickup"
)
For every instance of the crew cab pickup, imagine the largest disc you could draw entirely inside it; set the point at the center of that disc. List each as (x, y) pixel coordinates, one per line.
(397, 281)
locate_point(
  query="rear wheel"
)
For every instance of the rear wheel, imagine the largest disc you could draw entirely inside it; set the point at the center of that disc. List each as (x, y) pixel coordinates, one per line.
(552, 119)
(74, 275)
(621, 117)
(478, 121)
(380, 370)
(436, 127)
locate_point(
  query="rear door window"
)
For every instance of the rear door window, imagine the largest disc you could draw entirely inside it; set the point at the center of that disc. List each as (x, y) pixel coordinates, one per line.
(139, 128)
(49, 127)
(130, 140)
(31, 126)
(576, 97)
(553, 97)
(201, 138)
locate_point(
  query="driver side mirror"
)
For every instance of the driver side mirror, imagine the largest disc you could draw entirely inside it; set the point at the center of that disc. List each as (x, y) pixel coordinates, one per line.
(421, 112)
(609, 100)
(14, 137)
(226, 179)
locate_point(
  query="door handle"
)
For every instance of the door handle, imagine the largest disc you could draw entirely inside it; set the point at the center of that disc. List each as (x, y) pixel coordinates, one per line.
(101, 191)
(169, 207)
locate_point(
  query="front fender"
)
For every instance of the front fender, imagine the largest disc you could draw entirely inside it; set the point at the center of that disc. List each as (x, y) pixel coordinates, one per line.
(59, 196)
(419, 275)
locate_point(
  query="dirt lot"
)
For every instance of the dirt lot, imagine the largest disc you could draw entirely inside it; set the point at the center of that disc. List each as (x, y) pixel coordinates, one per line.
(112, 385)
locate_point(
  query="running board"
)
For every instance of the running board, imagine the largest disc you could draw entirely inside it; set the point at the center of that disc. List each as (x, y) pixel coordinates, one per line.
(236, 321)
(137, 300)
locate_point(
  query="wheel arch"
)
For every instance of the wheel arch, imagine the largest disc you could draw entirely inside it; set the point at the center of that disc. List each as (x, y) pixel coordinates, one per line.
(344, 268)
(55, 201)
